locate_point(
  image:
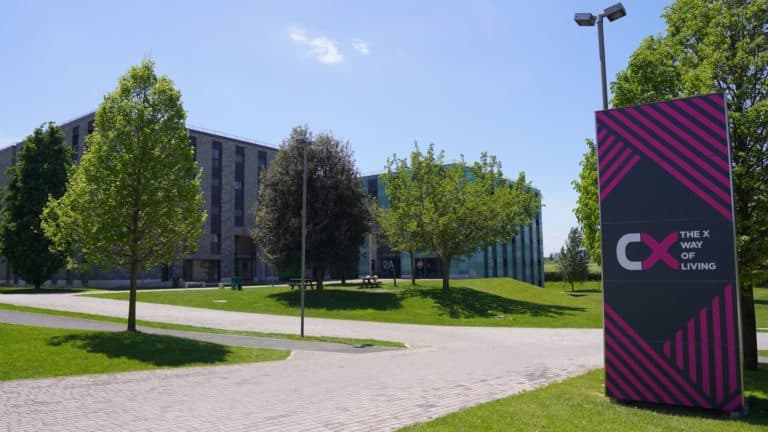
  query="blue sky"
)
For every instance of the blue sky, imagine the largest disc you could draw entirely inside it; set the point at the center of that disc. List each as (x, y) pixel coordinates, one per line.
(516, 79)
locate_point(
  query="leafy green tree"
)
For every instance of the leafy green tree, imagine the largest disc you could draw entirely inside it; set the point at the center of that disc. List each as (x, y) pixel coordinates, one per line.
(337, 211)
(399, 222)
(587, 209)
(455, 209)
(718, 46)
(134, 200)
(573, 260)
(39, 173)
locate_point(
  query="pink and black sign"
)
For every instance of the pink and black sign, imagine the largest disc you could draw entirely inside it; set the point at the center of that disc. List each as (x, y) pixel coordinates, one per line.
(672, 329)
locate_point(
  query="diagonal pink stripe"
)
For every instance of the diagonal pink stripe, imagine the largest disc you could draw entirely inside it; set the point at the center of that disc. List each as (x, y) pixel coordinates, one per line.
(705, 377)
(632, 162)
(605, 158)
(605, 175)
(637, 354)
(635, 372)
(718, 114)
(718, 144)
(718, 129)
(673, 172)
(730, 338)
(611, 391)
(679, 349)
(626, 122)
(719, 387)
(693, 141)
(733, 405)
(617, 379)
(600, 135)
(659, 361)
(604, 145)
(691, 350)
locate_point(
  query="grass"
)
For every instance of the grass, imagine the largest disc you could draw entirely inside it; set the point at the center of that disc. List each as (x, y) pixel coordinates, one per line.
(169, 326)
(761, 308)
(494, 302)
(763, 353)
(35, 352)
(579, 404)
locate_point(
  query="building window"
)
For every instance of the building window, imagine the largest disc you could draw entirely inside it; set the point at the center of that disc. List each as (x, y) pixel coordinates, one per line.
(238, 185)
(262, 163)
(90, 127)
(216, 197)
(373, 188)
(75, 141)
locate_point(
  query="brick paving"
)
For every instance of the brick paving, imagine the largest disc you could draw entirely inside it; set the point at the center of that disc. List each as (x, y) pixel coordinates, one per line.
(453, 368)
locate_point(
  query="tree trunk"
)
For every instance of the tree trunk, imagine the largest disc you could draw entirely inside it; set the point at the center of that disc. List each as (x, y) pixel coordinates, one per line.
(37, 285)
(446, 268)
(748, 325)
(132, 298)
(317, 274)
(413, 268)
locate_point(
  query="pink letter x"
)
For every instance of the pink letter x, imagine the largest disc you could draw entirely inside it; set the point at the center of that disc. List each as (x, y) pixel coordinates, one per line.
(660, 251)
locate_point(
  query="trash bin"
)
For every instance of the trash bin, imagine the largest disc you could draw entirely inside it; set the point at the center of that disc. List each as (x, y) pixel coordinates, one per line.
(237, 283)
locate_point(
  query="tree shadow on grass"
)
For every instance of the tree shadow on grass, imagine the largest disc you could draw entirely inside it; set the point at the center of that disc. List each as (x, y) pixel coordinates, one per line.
(16, 290)
(157, 350)
(333, 299)
(460, 302)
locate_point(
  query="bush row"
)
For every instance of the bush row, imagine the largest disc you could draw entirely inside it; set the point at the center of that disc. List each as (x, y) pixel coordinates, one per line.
(556, 276)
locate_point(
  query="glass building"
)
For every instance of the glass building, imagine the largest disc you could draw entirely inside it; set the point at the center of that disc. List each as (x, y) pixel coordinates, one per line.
(520, 258)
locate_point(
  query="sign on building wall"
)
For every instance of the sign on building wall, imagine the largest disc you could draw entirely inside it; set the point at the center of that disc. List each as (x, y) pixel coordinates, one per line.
(672, 328)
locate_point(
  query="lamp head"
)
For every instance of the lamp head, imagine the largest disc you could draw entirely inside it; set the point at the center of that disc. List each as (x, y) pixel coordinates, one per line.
(585, 19)
(615, 12)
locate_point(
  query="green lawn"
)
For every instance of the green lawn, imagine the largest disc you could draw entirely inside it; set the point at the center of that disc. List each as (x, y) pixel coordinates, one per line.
(761, 308)
(35, 352)
(470, 302)
(160, 325)
(579, 404)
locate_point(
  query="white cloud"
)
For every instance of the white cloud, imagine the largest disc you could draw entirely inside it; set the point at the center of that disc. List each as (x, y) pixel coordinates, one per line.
(322, 48)
(325, 50)
(361, 46)
(297, 34)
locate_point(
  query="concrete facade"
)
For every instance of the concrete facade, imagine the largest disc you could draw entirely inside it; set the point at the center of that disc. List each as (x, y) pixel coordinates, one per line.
(215, 264)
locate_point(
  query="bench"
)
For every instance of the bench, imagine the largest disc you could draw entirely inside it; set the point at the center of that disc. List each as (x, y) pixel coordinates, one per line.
(188, 284)
(296, 282)
(370, 282)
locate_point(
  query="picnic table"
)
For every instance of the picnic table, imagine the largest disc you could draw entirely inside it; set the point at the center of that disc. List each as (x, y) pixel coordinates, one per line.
(296, 282)
(370, 281)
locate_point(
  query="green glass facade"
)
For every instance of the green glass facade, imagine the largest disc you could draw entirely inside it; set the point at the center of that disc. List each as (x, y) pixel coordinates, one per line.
(520, 258)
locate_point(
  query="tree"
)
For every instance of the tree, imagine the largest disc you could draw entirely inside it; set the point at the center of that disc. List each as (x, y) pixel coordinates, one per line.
(134, 200)
(587, 209)
(719, 46)
(455, 209)
(573, 260)
(337, 211)
(399, 222)
(40, 173)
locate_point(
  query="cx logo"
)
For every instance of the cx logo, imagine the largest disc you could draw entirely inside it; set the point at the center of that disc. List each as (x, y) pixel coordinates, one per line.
(659, 251)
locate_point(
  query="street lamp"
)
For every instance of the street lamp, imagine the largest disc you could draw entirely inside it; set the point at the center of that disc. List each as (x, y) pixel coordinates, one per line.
(586, 19)
(304, 141)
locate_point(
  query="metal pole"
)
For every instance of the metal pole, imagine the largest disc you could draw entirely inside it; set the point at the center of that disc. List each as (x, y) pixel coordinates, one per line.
(601, 42)
(303, 231)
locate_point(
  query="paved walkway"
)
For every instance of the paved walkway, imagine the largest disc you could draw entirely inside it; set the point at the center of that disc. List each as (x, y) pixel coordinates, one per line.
(455, 367)
(43, 320)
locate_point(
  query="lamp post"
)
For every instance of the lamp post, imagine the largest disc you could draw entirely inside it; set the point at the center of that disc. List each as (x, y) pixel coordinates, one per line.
(304, 141)
(586, 19)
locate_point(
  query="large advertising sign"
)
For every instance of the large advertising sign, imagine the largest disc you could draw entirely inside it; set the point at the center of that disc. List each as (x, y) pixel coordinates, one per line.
(672, 328)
